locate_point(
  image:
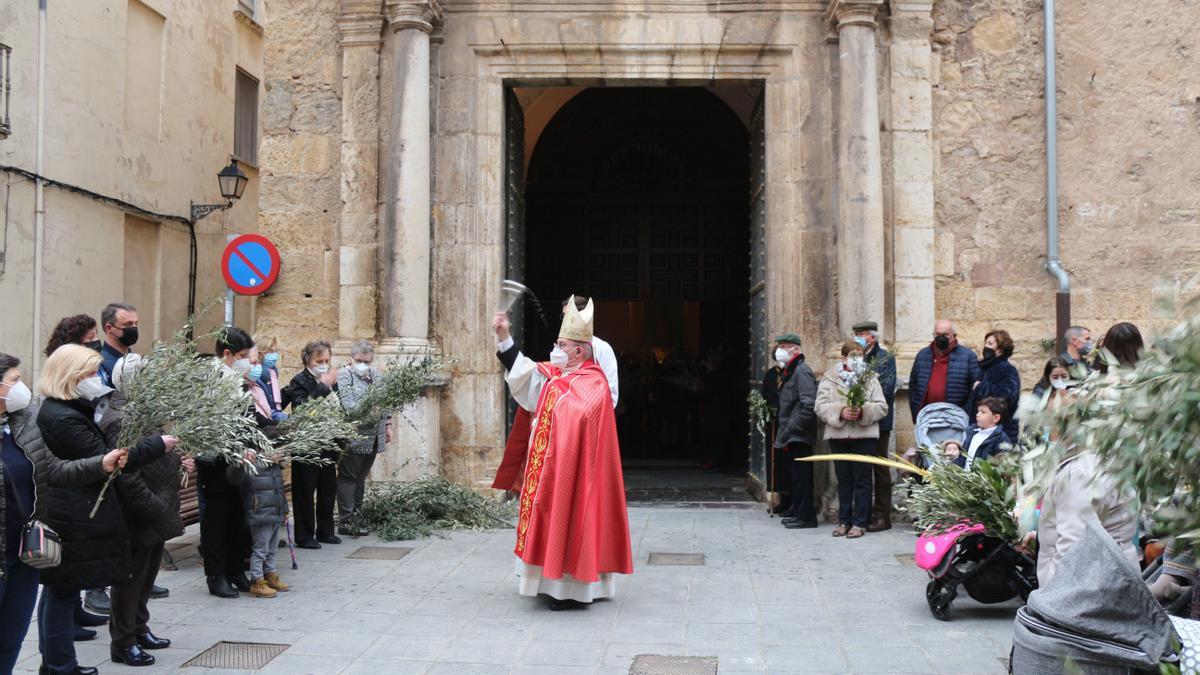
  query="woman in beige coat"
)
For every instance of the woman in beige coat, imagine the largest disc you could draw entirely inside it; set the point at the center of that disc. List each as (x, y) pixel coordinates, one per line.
(852, 431)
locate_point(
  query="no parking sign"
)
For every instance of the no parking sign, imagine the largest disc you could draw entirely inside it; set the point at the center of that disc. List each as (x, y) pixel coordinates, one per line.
(250, 264)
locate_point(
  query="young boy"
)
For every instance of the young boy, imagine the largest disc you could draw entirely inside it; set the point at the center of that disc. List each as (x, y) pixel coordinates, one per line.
(986, 438)
(266, 507)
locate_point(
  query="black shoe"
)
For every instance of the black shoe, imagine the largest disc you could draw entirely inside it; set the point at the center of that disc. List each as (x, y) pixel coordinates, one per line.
(131, 656)
(329, 539)
(560, 605)
(240, 582)
(87, 619)
(96, 601)
(798, 524)
(220, 587)
(79, 670)
(158, 592)
(84, 634)
(152, 641)
(347, 531)
(311, 543)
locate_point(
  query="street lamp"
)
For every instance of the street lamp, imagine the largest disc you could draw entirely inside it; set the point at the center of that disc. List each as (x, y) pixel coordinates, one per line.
(232, 181)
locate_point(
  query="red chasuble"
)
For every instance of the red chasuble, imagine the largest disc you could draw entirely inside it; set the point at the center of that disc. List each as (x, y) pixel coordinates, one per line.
(573, 518)
(512, 467)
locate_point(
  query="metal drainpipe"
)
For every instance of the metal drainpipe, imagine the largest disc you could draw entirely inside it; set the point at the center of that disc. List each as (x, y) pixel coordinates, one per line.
(39, 207)
(1053, 263)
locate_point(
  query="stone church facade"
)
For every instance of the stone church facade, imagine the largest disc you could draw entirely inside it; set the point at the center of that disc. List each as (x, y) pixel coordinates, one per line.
(895, 171)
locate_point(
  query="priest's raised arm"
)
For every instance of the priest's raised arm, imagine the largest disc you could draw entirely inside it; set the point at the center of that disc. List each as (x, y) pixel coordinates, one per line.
(525, 380)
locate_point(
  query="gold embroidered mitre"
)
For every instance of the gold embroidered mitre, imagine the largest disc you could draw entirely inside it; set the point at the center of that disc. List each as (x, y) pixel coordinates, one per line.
(577, 325)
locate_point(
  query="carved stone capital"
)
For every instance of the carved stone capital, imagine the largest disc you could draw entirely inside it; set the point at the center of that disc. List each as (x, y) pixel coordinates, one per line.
(420, 14)
(841, 13)
(360, 30)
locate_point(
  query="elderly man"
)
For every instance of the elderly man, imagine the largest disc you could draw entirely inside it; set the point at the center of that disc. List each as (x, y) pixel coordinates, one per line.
(572, 528)
(943, 372)
(797, 433)
(1079, 345)
(866, 334)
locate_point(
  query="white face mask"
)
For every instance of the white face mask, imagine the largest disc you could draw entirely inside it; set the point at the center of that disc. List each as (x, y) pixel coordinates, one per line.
(362, 368)
(18, 397)
(1059, 384)
(242, 366)
(782, 356)
(558, 358)
(92, 388)
(321, 370)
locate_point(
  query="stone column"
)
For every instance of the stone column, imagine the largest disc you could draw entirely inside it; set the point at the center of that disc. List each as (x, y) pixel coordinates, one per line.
(360, 25)
(860, 237)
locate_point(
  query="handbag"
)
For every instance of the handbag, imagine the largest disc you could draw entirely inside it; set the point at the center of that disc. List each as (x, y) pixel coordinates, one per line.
(41, 547)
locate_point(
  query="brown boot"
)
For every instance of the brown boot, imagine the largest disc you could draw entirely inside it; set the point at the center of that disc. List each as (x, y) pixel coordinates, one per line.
(879, 525)
(260, 589)
(273, 580)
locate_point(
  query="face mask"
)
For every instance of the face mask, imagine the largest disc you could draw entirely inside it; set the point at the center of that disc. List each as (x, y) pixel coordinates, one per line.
(988, 353)
(321, 370)
(942, 342)
(94, 345)
(782, 356)
(129, 336)
(241, 366)
(362, 368)
(271, 359)
(1059, 384)
(92, 388)
(860, 341)
(1085, 348)
(256, 371)
(558, 358)
(18, 397)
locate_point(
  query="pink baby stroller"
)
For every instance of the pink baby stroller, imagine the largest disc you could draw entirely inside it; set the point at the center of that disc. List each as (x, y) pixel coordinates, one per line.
(989, 568)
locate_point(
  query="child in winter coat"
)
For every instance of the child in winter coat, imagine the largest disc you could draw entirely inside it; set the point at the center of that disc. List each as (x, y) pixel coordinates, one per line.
(987, 437)
(266, 508)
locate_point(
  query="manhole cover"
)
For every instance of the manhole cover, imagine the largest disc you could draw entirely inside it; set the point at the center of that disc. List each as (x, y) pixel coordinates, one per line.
(380, 553)
(651, 664)
(693, 559)
(238, 655)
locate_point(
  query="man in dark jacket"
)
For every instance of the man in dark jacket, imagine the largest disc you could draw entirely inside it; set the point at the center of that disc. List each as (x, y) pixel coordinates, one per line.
(866, 334)
(797, 429)
(943, 372)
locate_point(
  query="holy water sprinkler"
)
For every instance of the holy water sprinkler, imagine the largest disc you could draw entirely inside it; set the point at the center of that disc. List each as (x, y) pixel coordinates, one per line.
(511, 291)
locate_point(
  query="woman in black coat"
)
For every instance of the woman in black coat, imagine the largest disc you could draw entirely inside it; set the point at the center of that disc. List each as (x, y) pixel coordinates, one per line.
(95, 550)
(314, 526)
(149, 499)
(998, 379)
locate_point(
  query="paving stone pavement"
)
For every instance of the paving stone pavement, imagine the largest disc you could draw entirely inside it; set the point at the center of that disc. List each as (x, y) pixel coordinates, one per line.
(766, 600)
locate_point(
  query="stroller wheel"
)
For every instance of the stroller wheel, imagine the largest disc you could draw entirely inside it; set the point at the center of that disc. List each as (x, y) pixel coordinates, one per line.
(939, 598)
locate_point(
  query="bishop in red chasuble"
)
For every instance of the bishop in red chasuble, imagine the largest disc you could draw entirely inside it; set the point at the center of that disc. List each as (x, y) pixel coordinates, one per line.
(573, 527)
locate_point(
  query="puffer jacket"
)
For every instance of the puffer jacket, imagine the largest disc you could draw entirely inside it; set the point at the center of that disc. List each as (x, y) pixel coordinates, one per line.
(25, 434)
(150, 495)
(352, 388)
(262, 494)
(95, 551)
(961, 375)
(797, 421)
(1000, 379)
(831, 398)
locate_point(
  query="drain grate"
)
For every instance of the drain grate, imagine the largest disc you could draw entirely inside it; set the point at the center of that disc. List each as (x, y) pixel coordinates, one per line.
(685, 559)
(652, 664)
(238, 655)
(380, 553)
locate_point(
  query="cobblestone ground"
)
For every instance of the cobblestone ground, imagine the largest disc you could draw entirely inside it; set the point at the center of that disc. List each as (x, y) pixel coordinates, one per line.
(766, 600)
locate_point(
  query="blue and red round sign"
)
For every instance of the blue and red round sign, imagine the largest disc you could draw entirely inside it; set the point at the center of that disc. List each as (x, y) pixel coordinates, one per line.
(250, 264)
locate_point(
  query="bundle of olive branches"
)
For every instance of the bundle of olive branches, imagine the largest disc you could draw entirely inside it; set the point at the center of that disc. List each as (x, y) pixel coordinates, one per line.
(414, 509)
(312, 428)
(398, 386)
(1144, 423)
(760, 412)
(951, 495)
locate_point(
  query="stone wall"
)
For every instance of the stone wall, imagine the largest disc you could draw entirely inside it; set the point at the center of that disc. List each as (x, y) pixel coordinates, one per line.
(1129, 178)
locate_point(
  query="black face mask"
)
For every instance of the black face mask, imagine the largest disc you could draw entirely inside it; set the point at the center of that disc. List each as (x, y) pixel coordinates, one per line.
(129, 336)
(988, 353)
(942, 342)
(94, 345)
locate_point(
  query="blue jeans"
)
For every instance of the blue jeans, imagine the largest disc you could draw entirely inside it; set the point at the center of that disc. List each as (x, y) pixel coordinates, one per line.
(18, 593)
(56, 628)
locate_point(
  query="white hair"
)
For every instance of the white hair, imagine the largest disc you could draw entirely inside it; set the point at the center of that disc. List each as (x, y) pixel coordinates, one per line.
(362, 348)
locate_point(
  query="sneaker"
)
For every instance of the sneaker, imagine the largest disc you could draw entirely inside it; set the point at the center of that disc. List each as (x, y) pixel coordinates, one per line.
(260, 589)
(275, 582)
(96, 601)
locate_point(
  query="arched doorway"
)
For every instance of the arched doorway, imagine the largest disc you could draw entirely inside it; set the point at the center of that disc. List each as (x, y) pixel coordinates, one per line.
(639, 197)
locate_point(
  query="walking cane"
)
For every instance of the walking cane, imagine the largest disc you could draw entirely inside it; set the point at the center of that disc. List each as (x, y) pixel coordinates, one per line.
(287, 524)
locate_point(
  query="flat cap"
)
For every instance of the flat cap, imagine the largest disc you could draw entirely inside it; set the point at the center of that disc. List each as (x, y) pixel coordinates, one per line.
(788, 337)
(865, 325)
